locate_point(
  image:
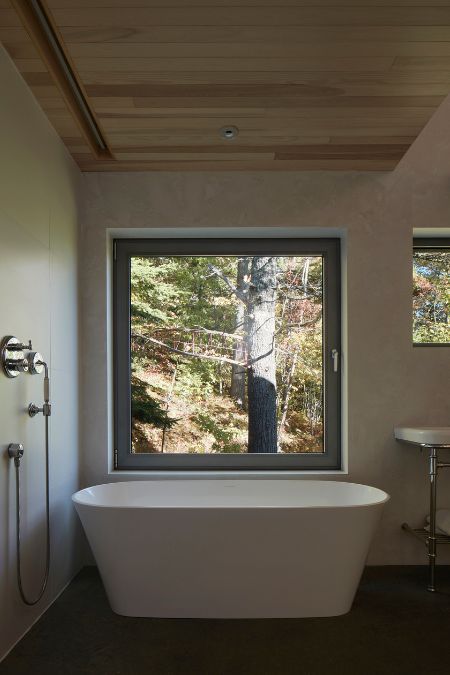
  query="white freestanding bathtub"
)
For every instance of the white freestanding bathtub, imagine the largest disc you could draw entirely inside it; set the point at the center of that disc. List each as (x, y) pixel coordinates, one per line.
(230, 548)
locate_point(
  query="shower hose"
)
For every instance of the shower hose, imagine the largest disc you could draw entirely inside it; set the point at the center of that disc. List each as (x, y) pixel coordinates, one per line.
(23, 595)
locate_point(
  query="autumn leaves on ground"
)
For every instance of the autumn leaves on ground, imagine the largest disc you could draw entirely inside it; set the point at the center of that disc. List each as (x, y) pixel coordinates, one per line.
(220, 426)
(226, 354)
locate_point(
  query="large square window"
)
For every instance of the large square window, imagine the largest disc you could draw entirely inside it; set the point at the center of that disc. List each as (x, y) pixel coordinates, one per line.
(227, 354)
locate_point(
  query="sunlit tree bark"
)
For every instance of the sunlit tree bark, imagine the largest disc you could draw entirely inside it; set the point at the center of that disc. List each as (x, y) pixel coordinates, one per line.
(239, 373)
(262, 390)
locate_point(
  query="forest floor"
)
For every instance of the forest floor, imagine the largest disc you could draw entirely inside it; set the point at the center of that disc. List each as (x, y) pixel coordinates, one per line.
(206, 423)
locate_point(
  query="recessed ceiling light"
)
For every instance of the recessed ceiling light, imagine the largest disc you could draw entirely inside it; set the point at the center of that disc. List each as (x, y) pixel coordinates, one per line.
(228, 133)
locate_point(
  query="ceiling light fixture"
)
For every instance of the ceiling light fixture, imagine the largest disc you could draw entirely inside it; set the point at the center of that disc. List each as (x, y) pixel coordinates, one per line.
(229, 133)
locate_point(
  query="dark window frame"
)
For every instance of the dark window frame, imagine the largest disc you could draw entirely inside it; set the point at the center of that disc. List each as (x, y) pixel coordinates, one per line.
(124, 250)
(425, 244)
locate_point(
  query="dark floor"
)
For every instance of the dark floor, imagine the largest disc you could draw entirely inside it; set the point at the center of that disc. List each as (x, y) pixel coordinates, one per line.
(395, 627)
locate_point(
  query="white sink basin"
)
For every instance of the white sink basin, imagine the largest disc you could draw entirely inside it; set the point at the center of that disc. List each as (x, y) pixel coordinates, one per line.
(423, 435)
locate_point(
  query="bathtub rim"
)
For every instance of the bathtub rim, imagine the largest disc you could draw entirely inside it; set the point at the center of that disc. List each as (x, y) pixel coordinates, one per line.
(77, 498)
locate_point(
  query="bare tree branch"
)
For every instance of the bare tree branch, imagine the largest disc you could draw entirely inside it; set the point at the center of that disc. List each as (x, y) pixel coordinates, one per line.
(208, 357)
(305, 324)
(215, 271)
(198, 329)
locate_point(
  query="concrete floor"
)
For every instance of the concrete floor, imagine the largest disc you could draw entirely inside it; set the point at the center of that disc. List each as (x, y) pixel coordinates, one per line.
(395, 627)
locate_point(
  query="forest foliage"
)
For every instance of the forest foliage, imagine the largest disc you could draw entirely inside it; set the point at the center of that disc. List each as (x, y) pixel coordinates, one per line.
(226, 354)
(431, 296)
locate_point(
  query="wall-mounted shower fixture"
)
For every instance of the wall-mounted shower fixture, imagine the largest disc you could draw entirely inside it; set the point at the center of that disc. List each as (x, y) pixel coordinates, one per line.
(14, 361)
(12, 356)
(15, 452)
(36, 365)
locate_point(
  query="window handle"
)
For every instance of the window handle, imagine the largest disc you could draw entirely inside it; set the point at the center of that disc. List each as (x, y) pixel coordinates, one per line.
(335, 358)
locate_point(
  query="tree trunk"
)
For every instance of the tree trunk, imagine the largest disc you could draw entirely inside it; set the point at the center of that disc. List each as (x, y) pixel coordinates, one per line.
(262, 390)
(238, 373)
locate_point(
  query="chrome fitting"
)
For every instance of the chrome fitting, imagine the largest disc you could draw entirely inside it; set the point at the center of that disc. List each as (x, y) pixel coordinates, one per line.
(35, 363)
(34, 410)
(15, 452)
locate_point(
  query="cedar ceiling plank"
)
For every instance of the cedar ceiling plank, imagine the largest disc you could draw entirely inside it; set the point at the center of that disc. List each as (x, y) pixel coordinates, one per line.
(182, 113)
(310, 84)
(351, 152)
(188, 156)
(342, 141)
(209, 91)
(378, 64)
(436, 89)
(254, 34)
(296, 150)
(370, 140)
(186, 102)
(319, 113)
(421, 63)
(247, 16)
(263, 50)
(250, 124)
(251, 139)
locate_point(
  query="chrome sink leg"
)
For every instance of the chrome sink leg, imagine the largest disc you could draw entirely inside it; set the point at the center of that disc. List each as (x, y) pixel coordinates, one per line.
(432, 536)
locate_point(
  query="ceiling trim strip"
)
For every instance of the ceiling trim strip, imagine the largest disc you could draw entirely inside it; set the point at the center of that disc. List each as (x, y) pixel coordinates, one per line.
(37, 21)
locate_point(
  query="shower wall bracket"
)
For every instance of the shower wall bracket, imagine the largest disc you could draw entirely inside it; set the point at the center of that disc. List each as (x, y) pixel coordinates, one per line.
(12, 357)
(15, 452)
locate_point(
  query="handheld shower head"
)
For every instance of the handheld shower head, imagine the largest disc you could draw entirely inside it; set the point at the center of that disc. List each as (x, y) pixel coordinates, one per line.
(36, 365)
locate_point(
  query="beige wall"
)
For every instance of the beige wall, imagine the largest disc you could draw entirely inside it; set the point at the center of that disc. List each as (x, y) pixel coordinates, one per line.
(389, 382)
(38, 300)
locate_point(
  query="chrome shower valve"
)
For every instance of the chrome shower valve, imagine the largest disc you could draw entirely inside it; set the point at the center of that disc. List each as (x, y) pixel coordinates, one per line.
(12, 358)
(35, 363)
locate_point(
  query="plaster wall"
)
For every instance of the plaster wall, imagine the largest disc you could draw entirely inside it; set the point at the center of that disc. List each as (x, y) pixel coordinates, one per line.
(39, 204)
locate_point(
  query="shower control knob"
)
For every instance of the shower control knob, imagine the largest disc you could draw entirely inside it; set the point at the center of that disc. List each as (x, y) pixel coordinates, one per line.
(16, 346)
(17, 365)
(35, 363)
(12, 358)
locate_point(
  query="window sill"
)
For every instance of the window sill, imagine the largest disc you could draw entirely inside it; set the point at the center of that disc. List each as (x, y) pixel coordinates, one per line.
(228, 475)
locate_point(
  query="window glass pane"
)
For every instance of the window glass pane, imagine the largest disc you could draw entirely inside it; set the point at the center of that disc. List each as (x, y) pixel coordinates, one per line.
(227, 354)
(431, 298)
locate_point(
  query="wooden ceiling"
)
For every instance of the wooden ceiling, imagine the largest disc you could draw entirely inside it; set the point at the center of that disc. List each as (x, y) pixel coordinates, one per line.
(310, 84)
